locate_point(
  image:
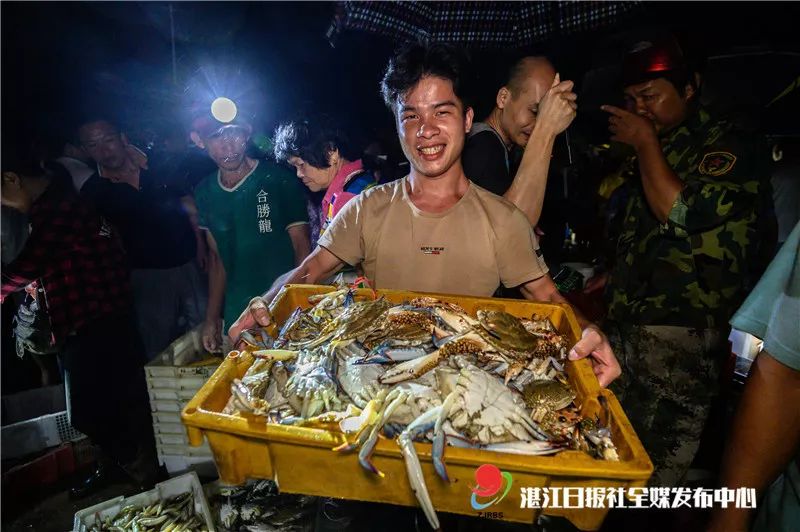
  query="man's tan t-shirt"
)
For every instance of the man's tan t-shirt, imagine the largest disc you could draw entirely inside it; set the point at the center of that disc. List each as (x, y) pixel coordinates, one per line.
(480, 242)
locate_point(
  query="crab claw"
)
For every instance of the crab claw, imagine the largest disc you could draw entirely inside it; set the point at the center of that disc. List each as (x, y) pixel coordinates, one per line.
(411, 369)
(420, 425)
(440, 438)
(439, 442)
(365, 454)
(361, 424)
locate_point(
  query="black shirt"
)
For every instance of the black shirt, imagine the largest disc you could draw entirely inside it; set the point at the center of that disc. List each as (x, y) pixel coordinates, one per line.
(152, 221)
(486, 161)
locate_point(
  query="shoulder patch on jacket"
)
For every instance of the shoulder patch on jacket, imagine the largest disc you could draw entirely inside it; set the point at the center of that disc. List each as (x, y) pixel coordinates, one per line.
(717, 163)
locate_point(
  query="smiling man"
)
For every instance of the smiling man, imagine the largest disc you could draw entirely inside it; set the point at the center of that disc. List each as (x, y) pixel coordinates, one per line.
(433, 230)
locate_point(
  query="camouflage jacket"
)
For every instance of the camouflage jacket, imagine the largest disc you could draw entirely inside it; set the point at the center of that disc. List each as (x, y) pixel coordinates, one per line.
(691, 270)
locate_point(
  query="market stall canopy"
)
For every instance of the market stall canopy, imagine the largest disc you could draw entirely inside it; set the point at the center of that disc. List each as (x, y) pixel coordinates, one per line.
(479, 24)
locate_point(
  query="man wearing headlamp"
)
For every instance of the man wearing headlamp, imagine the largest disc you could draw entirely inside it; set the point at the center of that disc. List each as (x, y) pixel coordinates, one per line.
(254, 214)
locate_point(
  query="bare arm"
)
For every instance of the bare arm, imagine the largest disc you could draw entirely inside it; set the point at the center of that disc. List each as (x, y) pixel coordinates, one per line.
(301, 242)
(556, 111)
(319, 265)
(765, 436)
(593, 342)
(212, 329)
(203, 252)
(527, 189)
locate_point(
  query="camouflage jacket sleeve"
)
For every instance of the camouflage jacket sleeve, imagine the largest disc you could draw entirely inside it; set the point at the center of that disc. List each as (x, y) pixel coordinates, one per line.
(720, 182)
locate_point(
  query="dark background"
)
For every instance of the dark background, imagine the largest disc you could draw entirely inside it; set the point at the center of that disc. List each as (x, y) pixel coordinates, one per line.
(61, 59)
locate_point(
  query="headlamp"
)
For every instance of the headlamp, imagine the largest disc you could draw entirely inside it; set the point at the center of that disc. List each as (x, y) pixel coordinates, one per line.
(223, 109)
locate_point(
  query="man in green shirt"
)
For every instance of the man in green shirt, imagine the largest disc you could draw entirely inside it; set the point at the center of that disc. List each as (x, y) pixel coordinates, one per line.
(255, 218)
(681, 260)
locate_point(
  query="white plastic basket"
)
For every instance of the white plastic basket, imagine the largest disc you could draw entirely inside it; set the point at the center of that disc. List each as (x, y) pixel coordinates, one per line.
(87, 517)
(33, 435)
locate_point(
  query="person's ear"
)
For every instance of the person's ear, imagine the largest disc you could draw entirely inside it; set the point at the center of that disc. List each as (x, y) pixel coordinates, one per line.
(503, 95)
(688, 92)
(197, 140)
(468, 116)
(124, 138)
(11, 179)
(691, 89)
(333, 156)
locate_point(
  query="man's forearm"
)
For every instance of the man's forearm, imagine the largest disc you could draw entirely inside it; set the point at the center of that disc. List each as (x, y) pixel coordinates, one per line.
(765, 435)
(527, 189)
(661, 185)
(216, 287)
(301, 274)
(545, 290)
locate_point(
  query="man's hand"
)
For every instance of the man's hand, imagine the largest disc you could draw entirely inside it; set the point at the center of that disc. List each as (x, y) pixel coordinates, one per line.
(595, 344)
(256, 313)
(630, 128)
(212, 334)
(557, 107)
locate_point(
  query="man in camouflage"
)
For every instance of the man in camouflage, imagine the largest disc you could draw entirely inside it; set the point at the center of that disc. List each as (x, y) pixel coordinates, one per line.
(681, 259)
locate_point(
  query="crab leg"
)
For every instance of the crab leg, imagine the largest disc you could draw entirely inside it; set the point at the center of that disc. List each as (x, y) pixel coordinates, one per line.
(534, 447)
(275, 354)
(385, 353)
(532, 427)
(419, 426)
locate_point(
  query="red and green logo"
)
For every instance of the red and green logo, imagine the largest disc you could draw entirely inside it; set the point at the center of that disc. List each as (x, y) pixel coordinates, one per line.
(490, 482)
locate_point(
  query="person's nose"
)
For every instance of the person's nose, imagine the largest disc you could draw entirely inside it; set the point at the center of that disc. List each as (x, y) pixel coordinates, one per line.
(427, 129)
(639, 107)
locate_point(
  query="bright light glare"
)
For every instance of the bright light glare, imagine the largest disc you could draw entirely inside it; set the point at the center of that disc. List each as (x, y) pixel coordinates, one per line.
(223, 109)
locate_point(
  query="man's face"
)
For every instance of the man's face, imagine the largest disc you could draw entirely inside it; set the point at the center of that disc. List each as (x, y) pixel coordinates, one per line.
(228, 148)
(432, 126)
(314, 178)
(659, 101)
(105, 144)
(519, 110)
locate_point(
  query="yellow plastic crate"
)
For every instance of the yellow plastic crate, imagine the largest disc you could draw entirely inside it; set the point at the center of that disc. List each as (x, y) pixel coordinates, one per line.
(300, 460)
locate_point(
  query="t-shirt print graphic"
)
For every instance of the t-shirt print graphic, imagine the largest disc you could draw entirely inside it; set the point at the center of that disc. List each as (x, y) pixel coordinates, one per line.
(432, 250)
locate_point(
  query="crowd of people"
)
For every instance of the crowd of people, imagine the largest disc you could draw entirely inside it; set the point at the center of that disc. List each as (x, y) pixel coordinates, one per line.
(116, 240)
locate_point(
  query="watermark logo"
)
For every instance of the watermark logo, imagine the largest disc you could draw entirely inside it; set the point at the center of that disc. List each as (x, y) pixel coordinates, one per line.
(490, 483)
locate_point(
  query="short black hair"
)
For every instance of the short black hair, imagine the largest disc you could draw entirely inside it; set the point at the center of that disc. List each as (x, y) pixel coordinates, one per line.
(311, 139)
(518, 71)
(420, 60)
(93, 118)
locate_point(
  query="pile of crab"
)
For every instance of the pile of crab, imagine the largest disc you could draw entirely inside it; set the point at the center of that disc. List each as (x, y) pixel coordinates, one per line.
(424, 370)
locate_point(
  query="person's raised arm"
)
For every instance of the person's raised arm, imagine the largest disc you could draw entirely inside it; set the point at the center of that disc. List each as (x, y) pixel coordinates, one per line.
(556, 112)
(319, 265)
(593, 342)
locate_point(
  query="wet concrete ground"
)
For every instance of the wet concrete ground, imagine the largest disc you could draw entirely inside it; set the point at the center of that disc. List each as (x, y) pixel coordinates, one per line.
(56, 512)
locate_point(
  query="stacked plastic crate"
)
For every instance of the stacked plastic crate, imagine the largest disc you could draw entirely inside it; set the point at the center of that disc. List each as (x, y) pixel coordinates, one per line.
(173, 378)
